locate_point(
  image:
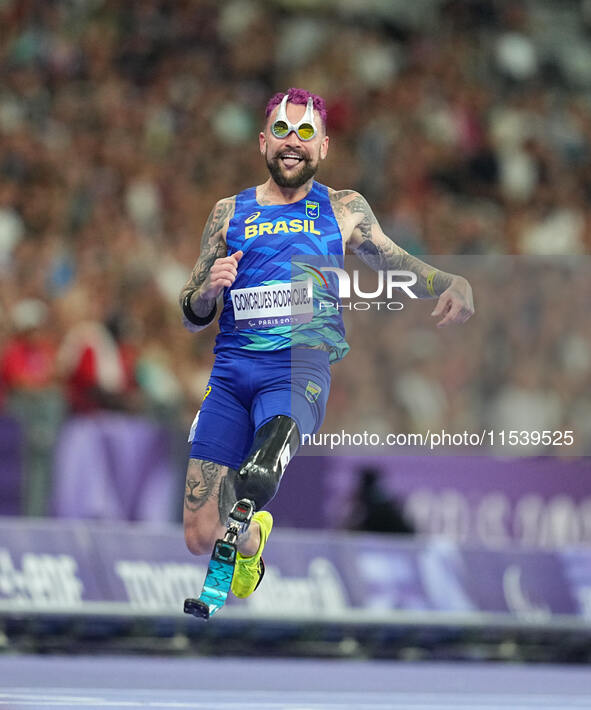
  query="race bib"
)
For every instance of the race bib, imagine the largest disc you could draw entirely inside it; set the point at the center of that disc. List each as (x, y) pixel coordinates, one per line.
(274, 305)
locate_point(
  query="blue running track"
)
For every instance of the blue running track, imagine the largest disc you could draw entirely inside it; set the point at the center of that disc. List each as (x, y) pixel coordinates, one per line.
(284, 684)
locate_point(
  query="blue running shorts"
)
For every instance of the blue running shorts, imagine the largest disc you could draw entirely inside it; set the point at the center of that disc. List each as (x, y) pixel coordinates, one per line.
(247, 388)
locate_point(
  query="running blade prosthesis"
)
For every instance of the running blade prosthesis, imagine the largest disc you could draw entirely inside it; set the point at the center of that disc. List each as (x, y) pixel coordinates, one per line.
(221, 565)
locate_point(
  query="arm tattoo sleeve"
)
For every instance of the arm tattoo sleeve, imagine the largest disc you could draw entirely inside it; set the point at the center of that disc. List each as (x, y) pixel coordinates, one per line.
(213, 246)
(379, 252)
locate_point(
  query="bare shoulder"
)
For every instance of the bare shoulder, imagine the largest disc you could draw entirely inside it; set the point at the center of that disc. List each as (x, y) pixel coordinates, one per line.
(339, 200)
(227, 201)
(219, 218)
(224, 208)
(353, 214)
(350, 201)
(341, 196)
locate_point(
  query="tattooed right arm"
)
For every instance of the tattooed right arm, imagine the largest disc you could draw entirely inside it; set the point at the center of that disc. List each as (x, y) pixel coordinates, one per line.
(213, 246)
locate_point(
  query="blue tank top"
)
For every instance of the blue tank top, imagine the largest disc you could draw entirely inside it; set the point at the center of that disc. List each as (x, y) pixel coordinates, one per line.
(281, 297)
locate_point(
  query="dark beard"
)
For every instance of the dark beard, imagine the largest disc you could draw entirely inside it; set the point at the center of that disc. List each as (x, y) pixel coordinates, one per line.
(300, 178)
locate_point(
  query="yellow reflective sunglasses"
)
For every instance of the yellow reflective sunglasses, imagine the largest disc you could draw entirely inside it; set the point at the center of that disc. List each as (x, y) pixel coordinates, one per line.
(305, 129)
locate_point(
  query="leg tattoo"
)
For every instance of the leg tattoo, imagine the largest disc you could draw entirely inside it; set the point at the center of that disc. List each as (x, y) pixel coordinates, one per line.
(202, 479)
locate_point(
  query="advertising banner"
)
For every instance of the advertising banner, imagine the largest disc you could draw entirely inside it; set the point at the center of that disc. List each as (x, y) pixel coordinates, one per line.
(68, 565)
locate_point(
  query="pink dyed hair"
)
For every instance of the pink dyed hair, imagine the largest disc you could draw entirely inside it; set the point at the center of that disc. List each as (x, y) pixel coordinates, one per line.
(297, 96)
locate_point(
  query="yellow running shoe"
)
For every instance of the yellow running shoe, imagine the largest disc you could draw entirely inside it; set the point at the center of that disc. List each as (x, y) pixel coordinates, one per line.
(249, 571)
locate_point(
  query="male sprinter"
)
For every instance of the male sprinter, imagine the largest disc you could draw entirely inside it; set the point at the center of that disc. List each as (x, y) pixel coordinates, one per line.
(270, 382)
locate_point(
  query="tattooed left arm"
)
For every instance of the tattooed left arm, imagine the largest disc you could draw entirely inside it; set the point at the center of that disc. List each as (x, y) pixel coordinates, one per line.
(369, 243)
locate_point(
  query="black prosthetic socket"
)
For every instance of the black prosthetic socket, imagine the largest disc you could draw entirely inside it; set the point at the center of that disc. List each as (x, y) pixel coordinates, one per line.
(275, 443)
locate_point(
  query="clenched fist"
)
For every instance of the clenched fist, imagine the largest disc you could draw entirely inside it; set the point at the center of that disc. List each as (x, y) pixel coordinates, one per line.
(222, 275)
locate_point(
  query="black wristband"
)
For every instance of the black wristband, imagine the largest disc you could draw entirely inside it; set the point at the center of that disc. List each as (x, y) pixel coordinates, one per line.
(191, 317)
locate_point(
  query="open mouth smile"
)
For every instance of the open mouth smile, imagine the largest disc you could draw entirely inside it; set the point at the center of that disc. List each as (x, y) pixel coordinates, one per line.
(290, 160)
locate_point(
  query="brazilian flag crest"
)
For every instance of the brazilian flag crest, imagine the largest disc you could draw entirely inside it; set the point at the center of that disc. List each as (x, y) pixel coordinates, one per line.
(312, 391)
(312, 209)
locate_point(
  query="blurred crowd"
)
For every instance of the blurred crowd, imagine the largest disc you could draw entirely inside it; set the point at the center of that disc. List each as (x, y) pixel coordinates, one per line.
(467, 125)
(522, 363)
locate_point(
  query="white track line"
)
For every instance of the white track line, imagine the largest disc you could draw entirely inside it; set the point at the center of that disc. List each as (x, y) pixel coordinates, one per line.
(299, 701)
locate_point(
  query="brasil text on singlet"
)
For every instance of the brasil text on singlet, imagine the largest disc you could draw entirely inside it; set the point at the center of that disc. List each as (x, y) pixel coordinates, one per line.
(274, 303)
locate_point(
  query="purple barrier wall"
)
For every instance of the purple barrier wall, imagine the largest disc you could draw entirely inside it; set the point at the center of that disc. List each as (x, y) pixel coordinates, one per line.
(10, 466)
(537, 501)
(70, 563)
(115, 467)
(118, 467)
